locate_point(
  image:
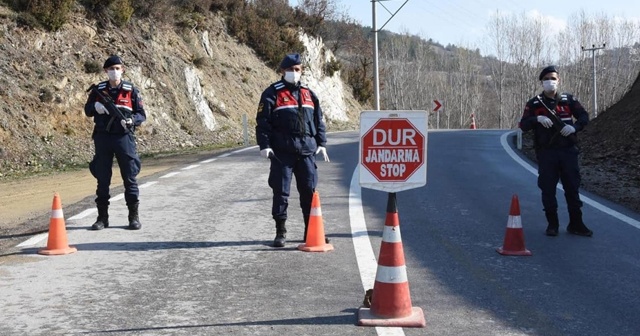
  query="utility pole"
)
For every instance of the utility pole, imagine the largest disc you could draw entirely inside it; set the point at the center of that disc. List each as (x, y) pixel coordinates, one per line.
(376, 71)
(593, 50)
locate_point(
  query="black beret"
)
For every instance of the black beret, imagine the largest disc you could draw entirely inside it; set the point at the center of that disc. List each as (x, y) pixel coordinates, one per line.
(112, 60)
(290, 60)
(551, 68)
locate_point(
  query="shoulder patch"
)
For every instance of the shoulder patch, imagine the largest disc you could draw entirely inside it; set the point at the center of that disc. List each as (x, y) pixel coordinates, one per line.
(102, 85)
(127, 86)
(278, 85)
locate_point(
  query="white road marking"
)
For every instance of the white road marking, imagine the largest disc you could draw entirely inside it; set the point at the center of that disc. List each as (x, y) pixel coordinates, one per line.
(116, 198)
(33, 240)
(170, 175)
(190, 167)
(244, 149)
(148, 184)
(83, 214)
(585, 199)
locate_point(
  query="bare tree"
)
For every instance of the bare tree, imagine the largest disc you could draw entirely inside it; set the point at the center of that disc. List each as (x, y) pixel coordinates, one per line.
(496, 36)
(318, 11)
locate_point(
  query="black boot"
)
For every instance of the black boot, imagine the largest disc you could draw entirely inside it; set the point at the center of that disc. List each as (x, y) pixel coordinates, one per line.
(134, 221)
(576, 225)
(554, 223)
(306, 227)
(281, 233)
(103, 217)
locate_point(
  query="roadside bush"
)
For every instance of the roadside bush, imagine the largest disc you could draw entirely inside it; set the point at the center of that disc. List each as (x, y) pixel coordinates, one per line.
(332, 66)
(200, 62)
(225, 6)
(50, 14)
(121, 12)
(268, 31)
(26, 19)
(359, 79)
(92, 67)
(118, 12)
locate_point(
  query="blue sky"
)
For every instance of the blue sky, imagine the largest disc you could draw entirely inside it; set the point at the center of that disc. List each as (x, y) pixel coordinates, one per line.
(463, 22)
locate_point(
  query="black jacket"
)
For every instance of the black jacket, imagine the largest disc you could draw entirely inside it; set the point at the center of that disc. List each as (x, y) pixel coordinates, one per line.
(566, 106)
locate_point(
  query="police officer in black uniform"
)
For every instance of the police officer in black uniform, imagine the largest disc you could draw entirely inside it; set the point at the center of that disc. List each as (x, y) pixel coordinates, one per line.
(113, 135)
(290, 130)
(556, 150)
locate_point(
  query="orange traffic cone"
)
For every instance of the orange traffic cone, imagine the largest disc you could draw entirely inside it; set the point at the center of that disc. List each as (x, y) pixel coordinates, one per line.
(473, 122)
(57, 242)
(514, 237)
(390, 300)
(314, 241)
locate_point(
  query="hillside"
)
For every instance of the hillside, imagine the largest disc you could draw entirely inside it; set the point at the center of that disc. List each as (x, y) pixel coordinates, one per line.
(197, 85)
(611, 151)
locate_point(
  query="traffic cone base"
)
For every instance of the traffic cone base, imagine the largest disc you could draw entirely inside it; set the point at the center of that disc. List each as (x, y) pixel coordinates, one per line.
(414, 320)
(61, 251)
(57, 240)
(322, 248)
(524, 252)
(514, 236)
(315, 240)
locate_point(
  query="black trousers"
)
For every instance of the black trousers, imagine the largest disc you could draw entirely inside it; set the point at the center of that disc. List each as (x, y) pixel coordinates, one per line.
(123, 147)
(283, 167)
(559, 164)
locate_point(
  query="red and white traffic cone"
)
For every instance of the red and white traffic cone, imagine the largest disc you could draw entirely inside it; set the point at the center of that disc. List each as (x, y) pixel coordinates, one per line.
(391, 301)
(314, 240)
(514, 237)
(473, 122)
(57, 243)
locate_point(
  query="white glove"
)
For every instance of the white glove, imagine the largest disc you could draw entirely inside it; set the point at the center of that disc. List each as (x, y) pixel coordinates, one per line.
(324, 153)
(266, 153)
(545, 121)
(568, 129)
(126, 123)
(100, 108)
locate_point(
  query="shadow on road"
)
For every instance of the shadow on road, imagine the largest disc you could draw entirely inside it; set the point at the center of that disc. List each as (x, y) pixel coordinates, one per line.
(349, 319)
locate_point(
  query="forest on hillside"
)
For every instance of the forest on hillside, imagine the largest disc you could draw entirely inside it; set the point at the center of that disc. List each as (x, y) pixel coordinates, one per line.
(598, 57)
(495, 87)
(414, 70)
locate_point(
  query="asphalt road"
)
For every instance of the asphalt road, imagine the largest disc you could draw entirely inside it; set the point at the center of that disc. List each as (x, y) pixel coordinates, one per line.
(202, 264)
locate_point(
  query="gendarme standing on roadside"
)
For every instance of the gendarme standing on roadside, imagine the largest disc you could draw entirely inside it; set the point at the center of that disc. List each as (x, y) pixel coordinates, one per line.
(290, 131)
(551, 116)
(116, 107)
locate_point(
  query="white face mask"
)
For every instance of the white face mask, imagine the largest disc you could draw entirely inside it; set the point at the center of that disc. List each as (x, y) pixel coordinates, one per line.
(292, 77)
(550, 85)
(114, 75)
